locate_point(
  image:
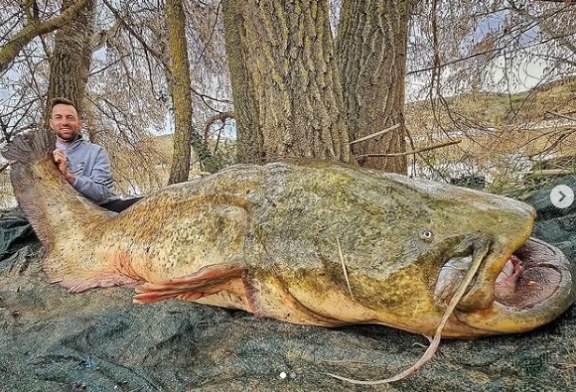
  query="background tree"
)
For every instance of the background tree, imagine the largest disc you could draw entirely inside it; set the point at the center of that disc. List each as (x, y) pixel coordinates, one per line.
(371, 47)
(71, 58)
(178, 77)
(169, 51)
(180, 91)
(289, 76)
(501, 45)
(250, 140)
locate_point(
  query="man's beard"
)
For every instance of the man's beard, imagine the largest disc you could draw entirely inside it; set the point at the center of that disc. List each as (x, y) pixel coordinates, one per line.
(68, 138)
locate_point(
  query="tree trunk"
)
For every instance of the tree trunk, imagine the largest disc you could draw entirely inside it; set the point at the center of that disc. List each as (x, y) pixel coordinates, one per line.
(181, 93)
(371, 47)
(70, 61)
(250, 141)
(283, 65)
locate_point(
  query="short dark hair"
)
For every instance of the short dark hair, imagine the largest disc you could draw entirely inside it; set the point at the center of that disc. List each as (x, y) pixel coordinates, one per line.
(62, 101)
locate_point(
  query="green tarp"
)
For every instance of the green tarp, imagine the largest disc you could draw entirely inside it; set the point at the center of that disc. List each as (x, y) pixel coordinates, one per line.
(51, 340)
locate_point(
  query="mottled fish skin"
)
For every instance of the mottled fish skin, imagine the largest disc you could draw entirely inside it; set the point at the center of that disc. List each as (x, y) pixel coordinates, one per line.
(305, 242)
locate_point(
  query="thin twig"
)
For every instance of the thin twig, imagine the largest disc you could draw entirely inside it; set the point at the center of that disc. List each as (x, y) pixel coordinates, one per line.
(561, 116)
(344, 268)
(136, 35)
(547, 172)
(346, 361)
(393, 127)
(558, 130)
(399, 154)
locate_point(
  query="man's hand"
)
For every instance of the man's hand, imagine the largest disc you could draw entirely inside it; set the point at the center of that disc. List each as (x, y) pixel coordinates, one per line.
(62, 163)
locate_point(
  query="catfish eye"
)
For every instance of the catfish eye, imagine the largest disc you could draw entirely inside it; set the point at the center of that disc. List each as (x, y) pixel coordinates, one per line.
(426, 235)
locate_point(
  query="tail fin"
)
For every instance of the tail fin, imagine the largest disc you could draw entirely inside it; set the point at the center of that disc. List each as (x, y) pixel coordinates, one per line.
(53, 207)
(29, 147)
(69, 226)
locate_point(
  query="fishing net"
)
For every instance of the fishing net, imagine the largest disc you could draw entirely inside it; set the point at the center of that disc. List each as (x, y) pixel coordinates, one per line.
(100, 341)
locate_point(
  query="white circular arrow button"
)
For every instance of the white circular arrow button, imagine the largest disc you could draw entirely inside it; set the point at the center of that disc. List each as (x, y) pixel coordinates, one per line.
(562, 196)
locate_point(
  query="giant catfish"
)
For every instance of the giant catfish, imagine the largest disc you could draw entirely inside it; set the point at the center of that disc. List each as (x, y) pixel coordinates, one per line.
(317, 243)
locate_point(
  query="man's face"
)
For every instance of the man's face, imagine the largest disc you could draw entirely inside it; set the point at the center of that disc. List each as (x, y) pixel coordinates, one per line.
(64, 122)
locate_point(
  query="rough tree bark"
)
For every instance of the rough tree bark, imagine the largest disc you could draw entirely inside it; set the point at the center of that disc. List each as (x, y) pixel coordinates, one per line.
(283, 63)
(180, 89)
(371, 47)
(70, 61)
(250, 144)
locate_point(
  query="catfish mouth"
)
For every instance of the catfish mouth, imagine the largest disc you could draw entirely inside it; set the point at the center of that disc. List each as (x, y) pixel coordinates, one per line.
(532, 274)
(535, 285)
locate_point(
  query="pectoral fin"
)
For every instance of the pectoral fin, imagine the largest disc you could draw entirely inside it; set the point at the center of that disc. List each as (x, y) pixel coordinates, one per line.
(207, 281)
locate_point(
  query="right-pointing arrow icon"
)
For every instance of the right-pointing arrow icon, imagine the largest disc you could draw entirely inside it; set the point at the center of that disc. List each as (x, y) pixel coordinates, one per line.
(562, 196)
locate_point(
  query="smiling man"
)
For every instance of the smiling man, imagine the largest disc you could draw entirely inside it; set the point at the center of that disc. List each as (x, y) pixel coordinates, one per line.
(85, 165)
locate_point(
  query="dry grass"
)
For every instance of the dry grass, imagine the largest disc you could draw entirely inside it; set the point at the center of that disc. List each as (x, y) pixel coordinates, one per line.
(503, 137)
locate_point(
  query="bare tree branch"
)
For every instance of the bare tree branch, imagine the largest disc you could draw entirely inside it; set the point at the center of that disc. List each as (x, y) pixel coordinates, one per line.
(412, 151)
(223, 116)
(33, 29)
(565, 117)
(135, 34)
(362, 139)
(545, 26)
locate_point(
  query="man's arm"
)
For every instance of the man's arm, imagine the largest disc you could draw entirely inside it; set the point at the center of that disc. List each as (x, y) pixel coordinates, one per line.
(98, 185)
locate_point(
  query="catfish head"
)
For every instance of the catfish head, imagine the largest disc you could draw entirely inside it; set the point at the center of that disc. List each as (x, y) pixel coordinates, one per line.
(521, 283)
(404, 255)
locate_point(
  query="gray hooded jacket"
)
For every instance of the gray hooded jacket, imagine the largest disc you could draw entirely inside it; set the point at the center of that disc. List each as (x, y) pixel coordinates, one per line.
(90, 165)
